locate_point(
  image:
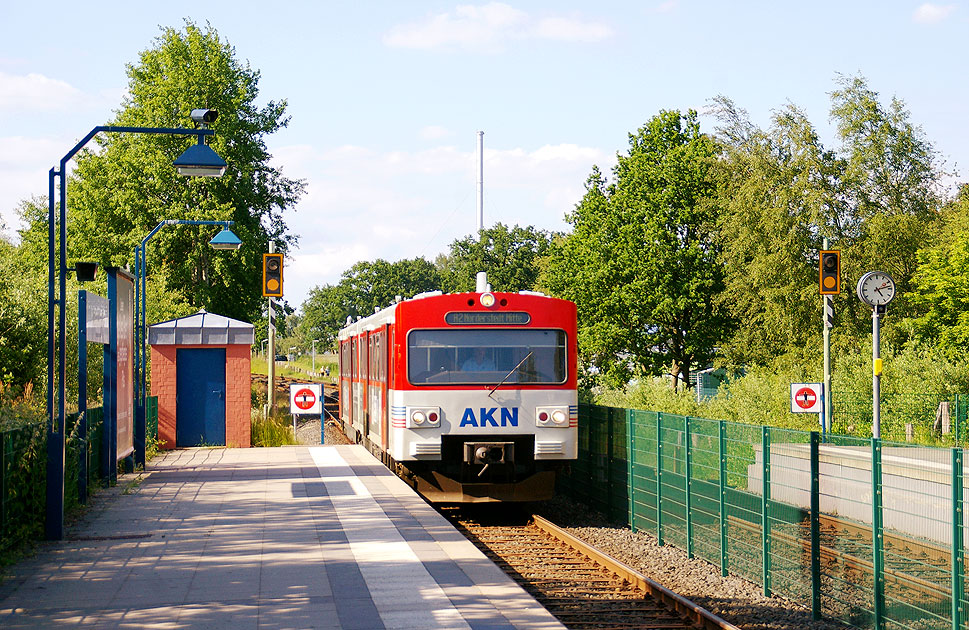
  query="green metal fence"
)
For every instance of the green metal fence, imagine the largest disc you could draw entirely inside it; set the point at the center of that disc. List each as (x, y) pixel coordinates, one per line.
(23, 471)
(865, 531)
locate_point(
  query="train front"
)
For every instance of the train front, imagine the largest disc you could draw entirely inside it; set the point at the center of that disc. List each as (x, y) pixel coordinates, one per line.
(484, 404)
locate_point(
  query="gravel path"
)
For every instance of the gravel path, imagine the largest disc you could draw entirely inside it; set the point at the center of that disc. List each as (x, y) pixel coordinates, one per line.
(308, 433)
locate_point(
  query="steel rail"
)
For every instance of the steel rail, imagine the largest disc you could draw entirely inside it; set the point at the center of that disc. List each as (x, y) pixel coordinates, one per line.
(702, 617)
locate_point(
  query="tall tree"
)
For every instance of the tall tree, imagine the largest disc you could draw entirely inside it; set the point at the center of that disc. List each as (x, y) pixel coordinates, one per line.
(781, 194)
(894, 177)
(509, 255)
(641, 262)
(876, 199)
(121, 192)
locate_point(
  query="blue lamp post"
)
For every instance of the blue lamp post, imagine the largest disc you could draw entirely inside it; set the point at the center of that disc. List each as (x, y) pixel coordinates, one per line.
(225, 239)
(194, 162)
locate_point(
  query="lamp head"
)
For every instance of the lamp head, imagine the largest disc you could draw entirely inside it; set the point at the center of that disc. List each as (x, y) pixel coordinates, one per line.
(86, 271)
(225, 240)
(199, 160)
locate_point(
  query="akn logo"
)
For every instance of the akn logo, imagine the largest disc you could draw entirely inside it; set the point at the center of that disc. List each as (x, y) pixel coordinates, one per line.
(508, 417)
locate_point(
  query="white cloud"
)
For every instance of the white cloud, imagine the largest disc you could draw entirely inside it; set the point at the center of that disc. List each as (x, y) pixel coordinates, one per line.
(37, 92)
(929, 13)
(363, 204)
(434, 132)
(24, 167)
(489, 27)
(667, 7)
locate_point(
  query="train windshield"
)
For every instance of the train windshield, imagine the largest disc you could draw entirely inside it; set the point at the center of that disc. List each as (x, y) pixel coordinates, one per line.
(465, 356)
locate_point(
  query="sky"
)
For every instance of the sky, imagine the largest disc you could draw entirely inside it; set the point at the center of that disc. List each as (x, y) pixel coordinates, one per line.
(386, 98)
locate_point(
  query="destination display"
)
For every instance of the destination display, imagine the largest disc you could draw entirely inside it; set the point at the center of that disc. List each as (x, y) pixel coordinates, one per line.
(510, 318)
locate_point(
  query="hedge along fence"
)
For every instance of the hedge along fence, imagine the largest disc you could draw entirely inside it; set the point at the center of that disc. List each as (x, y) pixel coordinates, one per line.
(23, 472)
(852, 415)
(868, 532)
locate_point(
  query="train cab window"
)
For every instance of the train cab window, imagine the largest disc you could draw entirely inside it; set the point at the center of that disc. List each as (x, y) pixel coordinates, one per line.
(466, 356)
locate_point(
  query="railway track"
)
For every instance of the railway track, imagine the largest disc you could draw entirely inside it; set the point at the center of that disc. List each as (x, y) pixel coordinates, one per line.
(581, 586)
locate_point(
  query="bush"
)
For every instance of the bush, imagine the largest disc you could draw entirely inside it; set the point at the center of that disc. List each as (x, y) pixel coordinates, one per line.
(912, 374)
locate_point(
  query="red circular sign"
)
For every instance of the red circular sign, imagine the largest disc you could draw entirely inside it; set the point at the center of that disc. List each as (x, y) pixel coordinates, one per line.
(304, 398)
(805, 398)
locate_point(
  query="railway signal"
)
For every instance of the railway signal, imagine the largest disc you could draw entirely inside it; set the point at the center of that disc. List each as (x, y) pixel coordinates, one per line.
(272, 275)
(830, 278)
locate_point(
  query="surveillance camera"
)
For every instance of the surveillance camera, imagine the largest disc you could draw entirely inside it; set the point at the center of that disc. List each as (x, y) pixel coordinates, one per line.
(204, 115)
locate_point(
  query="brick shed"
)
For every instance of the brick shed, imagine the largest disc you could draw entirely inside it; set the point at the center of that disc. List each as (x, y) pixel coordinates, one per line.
(200, 371)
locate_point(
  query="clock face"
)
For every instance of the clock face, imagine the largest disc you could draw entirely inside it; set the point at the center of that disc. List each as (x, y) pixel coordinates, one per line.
(876, 288)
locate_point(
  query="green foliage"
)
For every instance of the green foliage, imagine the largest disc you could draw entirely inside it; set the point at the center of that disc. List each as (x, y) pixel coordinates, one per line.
(23, 315)
(915, 380)
(272, 431)
(509, 256)
(940, 295)
(641, 262)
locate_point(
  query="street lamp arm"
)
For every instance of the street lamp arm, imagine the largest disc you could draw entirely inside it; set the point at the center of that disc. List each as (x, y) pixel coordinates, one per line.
(224, 224)
(116, 129)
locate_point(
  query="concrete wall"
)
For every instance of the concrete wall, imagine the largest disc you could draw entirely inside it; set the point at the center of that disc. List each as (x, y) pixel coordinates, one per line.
(916, 485)
(164, 378)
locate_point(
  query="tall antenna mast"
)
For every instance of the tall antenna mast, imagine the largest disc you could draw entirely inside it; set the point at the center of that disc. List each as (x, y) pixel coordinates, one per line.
(480, 182)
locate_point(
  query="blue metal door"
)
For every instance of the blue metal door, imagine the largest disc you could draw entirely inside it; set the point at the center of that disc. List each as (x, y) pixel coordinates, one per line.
(200, 397)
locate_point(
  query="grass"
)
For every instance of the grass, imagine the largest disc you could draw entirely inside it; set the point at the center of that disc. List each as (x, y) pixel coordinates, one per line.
(301, 367)
(272, 431)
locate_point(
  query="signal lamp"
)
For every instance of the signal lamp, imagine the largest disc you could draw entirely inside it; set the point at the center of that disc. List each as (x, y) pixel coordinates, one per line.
(830, 272)
(272, 275)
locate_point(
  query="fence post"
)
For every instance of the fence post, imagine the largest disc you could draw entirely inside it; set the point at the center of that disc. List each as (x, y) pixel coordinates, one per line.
(688, 486)
(764, 507)
(877, 534)
(610, 491)
(815, 525)
(957, 542)
(659, 478)
(630, 468)
(958, 418)
(722, 449)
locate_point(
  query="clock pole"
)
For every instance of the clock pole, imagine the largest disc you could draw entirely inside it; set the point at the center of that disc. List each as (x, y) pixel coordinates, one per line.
(876, 289)
(876, 360)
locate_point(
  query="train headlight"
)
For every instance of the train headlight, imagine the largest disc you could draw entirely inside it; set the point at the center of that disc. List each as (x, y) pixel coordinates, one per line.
(487, 300)
(552, 416)
(423, 417)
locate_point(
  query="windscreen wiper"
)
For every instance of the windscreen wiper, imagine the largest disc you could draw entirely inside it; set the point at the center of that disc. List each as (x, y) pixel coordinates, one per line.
(512, 371)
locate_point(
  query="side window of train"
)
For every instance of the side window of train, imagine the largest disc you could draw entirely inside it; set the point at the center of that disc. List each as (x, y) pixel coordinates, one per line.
(355, 358)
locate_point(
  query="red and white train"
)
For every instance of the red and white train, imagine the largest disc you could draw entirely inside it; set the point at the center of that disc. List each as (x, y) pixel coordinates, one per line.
(470, 397)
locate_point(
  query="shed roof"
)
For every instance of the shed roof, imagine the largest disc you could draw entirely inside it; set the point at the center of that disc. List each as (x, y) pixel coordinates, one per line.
(202, 328)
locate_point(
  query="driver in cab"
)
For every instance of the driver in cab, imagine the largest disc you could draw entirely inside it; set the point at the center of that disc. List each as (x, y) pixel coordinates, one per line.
(479, 362)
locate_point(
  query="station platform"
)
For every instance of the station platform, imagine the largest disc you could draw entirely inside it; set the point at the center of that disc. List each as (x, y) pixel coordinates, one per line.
(292, 537)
